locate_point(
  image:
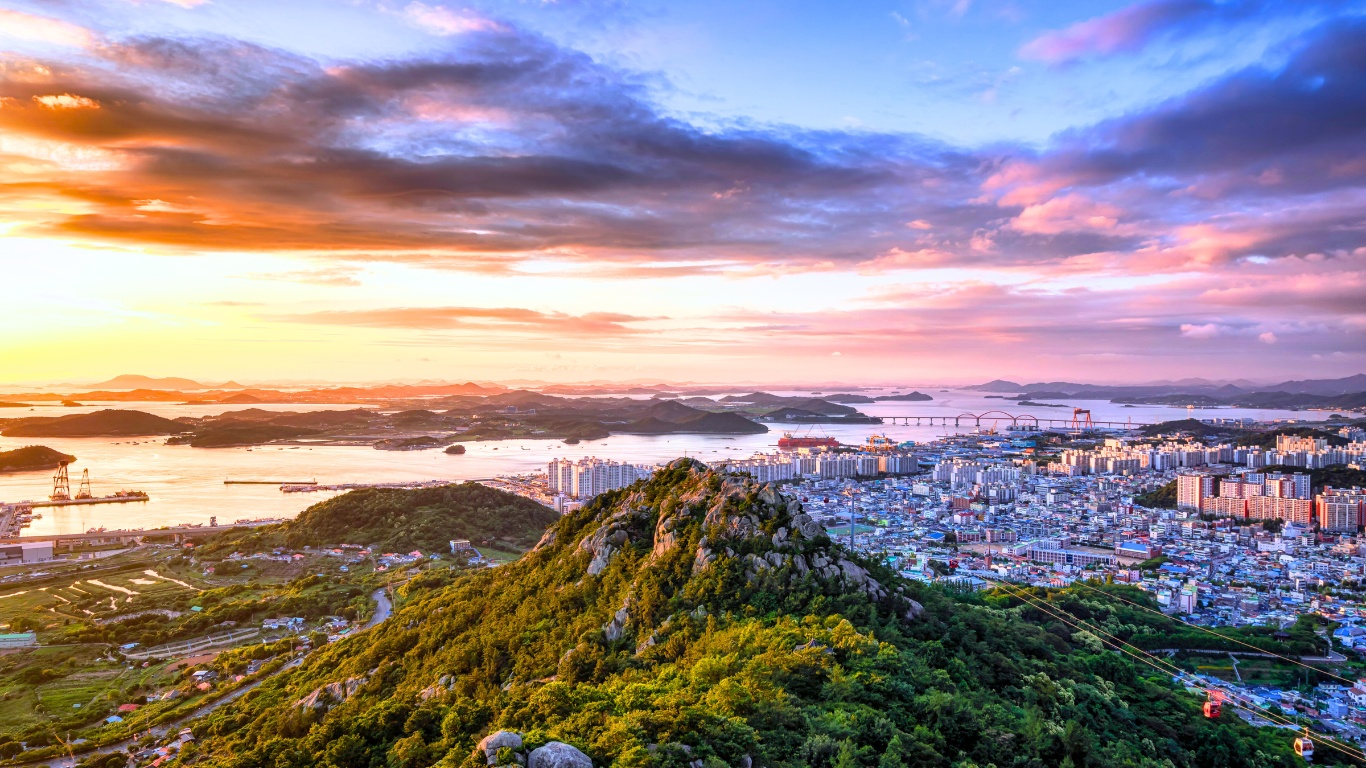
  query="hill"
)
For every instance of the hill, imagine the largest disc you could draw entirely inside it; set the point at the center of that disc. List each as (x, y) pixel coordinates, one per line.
(401, 520)
(133, 381)
(232, 435)
(241, 399)
(912, 397)
(31, 458)
(998, 385)
(703, 424)
(700, 620)
(106, 423)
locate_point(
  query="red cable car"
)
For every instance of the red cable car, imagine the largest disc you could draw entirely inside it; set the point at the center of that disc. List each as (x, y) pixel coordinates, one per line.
(1305, 748)
(1214, 707)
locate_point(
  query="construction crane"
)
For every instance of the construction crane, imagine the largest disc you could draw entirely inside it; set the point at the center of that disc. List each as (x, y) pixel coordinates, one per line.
(84, 492)
(61, 484)
(1078, 422)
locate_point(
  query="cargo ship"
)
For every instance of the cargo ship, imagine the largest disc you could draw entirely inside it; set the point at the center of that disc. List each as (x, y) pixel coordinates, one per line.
(790, 442)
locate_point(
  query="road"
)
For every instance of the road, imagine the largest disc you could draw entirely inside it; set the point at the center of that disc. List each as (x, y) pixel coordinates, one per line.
(1335, 657)
(384, 608)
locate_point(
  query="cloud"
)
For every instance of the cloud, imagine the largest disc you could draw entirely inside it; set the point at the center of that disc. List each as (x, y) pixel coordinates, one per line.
(482, 319)
(331, 276)
(1202, 331)
(25, 26)
(1267, 338)
(510, 153)
(66, 101)
(1134, 27)
(440, 20)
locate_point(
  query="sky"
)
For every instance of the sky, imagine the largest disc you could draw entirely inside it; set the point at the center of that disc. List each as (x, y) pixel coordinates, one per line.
(914, 191)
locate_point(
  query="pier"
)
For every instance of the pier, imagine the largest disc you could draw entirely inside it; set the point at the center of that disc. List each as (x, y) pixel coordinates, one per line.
(127, 499)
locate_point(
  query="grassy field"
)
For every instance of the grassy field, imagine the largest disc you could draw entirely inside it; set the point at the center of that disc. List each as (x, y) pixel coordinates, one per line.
(63, 695)
(73, 675)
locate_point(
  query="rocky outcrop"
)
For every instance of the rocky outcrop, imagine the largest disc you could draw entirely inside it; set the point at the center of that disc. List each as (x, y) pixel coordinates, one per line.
(557, 754)
(505, 748)
(435, 689)
(612, 533)
(492, 743)
(547, 539)
(616, 628)
(331, 694)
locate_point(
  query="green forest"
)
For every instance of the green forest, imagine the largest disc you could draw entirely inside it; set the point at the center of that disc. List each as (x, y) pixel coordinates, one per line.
(403, 520)
(696, 620)
(1162, 497)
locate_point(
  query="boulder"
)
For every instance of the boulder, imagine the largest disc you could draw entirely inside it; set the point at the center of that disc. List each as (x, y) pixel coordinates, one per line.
(769, 496)
(557, 754)
(495, 741)
(806, 527)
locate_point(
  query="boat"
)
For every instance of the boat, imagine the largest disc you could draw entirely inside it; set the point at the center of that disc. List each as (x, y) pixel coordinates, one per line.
(790, 442)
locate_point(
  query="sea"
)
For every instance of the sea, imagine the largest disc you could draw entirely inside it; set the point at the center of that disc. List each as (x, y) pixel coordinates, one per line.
(186, 485)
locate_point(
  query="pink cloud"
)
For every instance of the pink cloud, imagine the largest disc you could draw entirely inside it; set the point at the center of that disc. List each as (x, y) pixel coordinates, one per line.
(1124, 31)
(42, 29)
(1068, 213)
(440, 20)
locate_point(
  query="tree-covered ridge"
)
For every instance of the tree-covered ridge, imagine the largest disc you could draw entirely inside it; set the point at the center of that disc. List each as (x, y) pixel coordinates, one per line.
(402, 520)
(698, 617)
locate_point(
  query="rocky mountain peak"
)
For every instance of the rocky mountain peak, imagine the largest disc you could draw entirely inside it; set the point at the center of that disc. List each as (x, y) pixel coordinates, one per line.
(691, 525)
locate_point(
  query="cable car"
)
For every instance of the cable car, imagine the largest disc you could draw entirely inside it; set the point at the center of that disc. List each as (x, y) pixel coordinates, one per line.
(1214, 707)
(1305, 748)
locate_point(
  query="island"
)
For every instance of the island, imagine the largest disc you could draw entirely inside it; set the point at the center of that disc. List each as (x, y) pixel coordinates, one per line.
(106, 423)
(32, 458)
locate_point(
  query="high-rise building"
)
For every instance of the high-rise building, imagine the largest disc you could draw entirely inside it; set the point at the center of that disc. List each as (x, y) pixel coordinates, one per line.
(589, 477)
(1341, 510)
(1192, 490)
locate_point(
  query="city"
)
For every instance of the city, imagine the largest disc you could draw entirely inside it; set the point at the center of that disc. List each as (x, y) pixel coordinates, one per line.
(1235, 544)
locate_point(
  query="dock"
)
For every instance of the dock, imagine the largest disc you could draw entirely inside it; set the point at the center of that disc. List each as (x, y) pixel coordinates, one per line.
(101, 500)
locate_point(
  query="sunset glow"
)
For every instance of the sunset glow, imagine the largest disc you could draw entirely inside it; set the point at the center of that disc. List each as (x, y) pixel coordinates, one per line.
(903, 191)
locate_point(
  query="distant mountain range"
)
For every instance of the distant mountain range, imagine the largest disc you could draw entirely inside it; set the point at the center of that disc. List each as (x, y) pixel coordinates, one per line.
(134, 381)
(1055, 389)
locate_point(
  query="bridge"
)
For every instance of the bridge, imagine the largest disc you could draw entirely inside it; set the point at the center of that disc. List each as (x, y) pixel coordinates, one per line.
(1081, 419)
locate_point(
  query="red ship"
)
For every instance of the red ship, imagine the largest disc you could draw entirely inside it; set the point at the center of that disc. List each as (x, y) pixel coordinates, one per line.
(789, 442)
